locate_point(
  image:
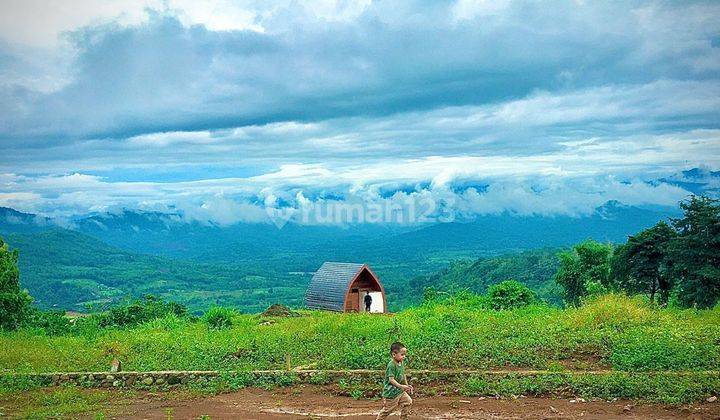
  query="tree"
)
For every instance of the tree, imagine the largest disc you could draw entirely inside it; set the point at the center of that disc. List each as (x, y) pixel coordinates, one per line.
(586, 266)
(14, 302)
(642, 264)
(695, 252)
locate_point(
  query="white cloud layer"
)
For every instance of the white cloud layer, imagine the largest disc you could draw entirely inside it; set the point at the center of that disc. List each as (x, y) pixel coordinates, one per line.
(223, 109)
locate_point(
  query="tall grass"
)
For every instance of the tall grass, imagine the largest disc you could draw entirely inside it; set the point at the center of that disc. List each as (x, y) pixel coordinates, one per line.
(612, 331)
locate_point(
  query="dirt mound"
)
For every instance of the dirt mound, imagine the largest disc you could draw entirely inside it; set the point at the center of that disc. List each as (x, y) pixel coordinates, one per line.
(279, 310)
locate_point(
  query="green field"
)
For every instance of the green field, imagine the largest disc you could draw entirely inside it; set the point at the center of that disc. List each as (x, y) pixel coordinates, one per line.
(610, 332)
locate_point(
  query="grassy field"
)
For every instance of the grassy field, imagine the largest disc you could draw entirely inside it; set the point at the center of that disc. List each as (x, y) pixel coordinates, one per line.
(649, 353)
(612, 332)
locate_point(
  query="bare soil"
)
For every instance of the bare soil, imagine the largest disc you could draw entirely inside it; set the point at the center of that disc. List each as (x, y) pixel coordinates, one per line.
(316, 402)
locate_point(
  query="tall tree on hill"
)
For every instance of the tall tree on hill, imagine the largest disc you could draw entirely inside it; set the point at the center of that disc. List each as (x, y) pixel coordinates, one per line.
(695, 252)
(641, 265)
(14, 302)
(583, 269)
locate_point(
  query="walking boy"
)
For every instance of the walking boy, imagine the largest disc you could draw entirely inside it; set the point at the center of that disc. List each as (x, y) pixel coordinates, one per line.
(395, 386)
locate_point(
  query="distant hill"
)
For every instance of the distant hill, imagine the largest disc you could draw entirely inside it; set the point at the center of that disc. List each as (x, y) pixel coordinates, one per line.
(534, 268)
(103, 257)
(67, 269)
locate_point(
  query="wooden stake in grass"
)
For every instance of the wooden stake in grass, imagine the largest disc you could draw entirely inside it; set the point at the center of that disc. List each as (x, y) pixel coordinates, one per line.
(288, 366)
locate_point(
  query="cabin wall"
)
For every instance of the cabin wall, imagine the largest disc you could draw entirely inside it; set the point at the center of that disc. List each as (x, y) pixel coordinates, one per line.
(354, 299)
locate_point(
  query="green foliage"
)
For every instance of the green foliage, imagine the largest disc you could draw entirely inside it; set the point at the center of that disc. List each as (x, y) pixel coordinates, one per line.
(694, 252)
(14, 303)
(510, 294)
(49, 322)
(219, 318)
(585, 266)
(642, 264)
(682, 260)
(61, 402)
(610, 331)
(138, 311)
(533, 268)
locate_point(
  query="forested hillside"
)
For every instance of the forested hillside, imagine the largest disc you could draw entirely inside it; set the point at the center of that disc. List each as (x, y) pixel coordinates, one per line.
(102, 258)
(534, 268)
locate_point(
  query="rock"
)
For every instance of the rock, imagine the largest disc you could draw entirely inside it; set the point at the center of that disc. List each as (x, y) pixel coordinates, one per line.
(628, 407)
(172, 380)
(148, 380)
(582, 400)
(160, 381)
(573, 401)
(109, 378)
(554, 410)
(712, 399)
(117, 383)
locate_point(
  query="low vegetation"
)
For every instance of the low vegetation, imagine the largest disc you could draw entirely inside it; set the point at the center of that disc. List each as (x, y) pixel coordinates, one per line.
(460, 331)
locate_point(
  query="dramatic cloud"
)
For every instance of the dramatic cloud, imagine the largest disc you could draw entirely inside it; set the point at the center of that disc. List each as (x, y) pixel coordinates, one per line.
(224, 109)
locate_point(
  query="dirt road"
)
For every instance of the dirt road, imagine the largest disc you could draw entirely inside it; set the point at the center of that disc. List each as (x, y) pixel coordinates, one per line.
(310, 402)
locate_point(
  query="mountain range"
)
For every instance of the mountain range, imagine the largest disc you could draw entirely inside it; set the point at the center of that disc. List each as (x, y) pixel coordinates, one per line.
(100, 258)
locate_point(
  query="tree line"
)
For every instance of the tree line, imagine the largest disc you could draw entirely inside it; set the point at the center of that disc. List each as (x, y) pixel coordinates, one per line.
(678, 261)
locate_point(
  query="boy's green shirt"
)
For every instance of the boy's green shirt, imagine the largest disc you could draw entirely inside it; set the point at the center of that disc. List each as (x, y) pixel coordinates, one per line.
(396, 371)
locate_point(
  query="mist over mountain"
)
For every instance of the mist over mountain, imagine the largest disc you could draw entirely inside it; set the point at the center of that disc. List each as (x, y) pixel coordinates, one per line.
(100, 258)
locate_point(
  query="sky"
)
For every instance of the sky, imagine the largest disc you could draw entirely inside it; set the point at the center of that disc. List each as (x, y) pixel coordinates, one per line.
(239, 111)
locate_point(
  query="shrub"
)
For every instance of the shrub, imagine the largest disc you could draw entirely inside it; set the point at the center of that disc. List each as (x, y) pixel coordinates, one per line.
(137, 311)
(51, 322)
(510, 294)
(219, 318)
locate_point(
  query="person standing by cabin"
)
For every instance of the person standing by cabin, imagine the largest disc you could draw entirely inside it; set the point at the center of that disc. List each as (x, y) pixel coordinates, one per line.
(395, 386)
(368, 301)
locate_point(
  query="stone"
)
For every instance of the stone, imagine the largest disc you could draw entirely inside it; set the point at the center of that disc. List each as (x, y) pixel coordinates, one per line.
(554, 410)
(160, 381)
(712, 399)
(117, 383)
(628, 408)
(110, 378)
(148, 380)
(172, 380)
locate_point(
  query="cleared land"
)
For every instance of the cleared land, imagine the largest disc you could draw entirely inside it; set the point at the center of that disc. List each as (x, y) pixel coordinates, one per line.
(312, 401)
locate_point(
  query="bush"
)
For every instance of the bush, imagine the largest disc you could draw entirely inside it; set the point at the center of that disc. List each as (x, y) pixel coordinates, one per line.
(139, 311)
(510, 294)
(51, 322)
(219, 318)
